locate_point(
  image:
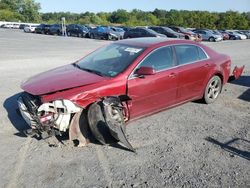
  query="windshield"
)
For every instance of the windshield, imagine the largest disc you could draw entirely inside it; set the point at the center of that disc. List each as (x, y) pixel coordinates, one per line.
(184, 30)
(169, 30)
(119, 30)
(152, 32)
(110, 60)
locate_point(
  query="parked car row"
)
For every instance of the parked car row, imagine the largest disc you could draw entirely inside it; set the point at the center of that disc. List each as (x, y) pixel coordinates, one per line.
(123, 32)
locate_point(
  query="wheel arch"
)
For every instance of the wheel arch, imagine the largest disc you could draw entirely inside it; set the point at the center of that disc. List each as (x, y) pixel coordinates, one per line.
(220, 75)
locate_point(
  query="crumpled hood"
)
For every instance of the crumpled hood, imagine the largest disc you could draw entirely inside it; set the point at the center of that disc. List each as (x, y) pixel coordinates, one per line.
(60, 78)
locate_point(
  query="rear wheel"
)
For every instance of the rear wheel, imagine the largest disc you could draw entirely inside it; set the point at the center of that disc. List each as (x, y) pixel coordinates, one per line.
(213, 89)
(232, 38)
(91, 36)
(211, 39)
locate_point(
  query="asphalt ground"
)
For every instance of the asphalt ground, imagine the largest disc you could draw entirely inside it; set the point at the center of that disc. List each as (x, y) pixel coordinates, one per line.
(193, 145)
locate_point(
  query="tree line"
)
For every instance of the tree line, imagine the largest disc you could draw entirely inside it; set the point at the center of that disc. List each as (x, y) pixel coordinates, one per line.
(28, 11)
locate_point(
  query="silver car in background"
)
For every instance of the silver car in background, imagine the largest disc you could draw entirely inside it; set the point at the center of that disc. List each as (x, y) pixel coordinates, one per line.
(208, 35)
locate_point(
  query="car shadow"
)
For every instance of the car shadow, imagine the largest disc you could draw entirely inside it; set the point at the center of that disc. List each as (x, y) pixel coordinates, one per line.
(232, 150)
(242, 81)
(245, 96)
(11, 106)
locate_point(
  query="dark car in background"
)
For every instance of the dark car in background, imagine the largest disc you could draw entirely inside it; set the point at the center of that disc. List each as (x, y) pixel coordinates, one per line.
(42, 28)
(189, 35)
(77, 30)
(105, 32)
(232, 36)
(22, 26)
(55, 29)
(167, 31)
(141, 32)
(125, 28)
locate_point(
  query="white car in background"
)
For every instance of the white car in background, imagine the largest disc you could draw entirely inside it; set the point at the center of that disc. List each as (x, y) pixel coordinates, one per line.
(16, 26)
(7, 26)
(30, 28)
(242, 37)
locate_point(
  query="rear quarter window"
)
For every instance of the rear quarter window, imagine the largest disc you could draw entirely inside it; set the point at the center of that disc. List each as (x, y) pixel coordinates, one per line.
(189, 53)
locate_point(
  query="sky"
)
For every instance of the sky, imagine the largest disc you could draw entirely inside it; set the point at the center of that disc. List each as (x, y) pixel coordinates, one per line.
(78, 6)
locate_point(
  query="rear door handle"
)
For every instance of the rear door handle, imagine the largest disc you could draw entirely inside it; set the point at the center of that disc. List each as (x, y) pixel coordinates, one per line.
(207, 65)
(172, 75)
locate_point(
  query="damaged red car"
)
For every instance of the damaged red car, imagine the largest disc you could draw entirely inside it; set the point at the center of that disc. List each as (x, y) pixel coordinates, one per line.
(119, 82)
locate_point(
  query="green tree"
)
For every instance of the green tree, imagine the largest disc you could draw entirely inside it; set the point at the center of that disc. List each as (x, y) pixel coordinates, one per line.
(7, 15)
(29, 9)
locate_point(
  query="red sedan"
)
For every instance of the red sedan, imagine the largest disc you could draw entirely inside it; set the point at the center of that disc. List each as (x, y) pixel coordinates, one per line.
(122, 81)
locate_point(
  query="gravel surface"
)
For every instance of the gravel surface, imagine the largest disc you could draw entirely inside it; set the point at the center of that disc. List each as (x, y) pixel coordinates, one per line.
(193, 145)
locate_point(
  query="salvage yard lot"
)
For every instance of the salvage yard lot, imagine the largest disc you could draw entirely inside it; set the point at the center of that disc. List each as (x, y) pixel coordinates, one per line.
(193, 145)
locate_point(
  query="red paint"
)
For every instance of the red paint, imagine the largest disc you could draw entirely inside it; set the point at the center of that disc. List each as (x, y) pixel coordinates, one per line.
(149, 94)
(238, 71)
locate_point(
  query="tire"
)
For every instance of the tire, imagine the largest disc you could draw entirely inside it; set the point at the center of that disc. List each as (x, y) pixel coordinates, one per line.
(69, 34)
(211, 39)
(232, 38)
(98, 126)
(91, 36)
(109, 37)
(212, 90)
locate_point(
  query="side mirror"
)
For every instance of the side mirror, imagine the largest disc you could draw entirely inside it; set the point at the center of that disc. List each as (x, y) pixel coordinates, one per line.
(143, 71)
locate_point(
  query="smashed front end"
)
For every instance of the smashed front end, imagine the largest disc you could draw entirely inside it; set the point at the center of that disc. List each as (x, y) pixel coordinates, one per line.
(104, 118)
(46, 119)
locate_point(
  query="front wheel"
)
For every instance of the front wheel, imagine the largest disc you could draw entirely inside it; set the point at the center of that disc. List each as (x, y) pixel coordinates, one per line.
(108, 37)
(213, 89)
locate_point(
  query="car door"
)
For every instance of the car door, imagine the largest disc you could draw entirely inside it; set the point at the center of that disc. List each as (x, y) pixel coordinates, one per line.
(74, 30)
(153, 92)
(135, 33)
(194, 66)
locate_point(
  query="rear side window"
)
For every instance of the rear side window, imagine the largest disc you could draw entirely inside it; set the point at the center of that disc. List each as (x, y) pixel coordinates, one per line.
(160, 59)
(189, 53)
(202, 54)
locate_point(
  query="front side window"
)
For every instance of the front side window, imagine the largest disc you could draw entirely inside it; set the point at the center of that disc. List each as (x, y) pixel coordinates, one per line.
(188, 53)
(160, 59)
(110, 60)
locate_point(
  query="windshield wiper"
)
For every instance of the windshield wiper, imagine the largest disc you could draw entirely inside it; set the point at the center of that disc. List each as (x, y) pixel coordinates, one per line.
(89, 70)
(93, 71)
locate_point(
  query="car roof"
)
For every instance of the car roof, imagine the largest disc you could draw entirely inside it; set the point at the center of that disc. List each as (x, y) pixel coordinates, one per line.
(153, 41)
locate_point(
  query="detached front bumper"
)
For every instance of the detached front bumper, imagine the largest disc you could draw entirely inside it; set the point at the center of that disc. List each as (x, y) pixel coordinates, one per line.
(25, 113)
